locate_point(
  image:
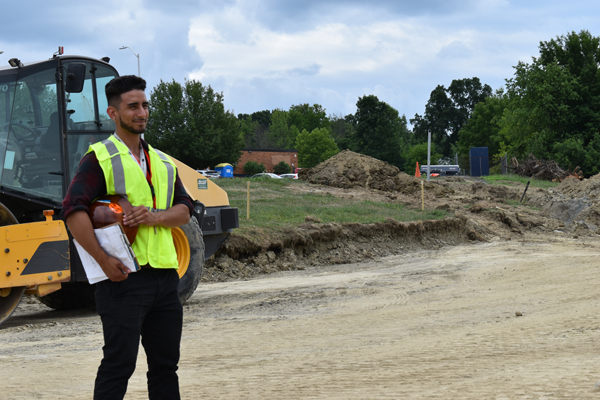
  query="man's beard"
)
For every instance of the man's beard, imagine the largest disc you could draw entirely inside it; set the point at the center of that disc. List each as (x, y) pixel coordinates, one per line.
(130, 128)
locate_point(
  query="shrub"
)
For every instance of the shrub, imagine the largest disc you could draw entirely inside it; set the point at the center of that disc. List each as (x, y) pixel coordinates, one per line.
(496, 169)
(282, 168)
(253, 168)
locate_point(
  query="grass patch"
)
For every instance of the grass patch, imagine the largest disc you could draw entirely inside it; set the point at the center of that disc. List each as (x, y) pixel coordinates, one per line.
(274, 206)
(512, 179)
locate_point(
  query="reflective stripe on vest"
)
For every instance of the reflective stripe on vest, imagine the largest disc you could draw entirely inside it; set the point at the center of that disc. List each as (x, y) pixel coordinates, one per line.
(117, 167)
(170, 173)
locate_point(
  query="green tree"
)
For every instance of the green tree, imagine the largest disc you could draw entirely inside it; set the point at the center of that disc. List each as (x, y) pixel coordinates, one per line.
(281, 133)
(248, 130)
(539, 113)
(168, 115)
(483, 127)
(253, 168)
(263, 118)
(418, 153)
(315, 147)
(342, 129)
(190, 123)
(282, 168)
(256, 130)
(554, 109)
(447, 111)
(308, 117)
(379, 130)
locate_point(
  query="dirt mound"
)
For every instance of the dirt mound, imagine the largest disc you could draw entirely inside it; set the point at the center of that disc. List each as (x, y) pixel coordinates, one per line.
(572, 187)
(576, 203)
(348, 169)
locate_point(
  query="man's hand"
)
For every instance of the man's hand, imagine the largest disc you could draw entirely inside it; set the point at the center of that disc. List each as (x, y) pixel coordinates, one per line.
(80, 225)
(140, 215)
(114, 269)
(173, 217)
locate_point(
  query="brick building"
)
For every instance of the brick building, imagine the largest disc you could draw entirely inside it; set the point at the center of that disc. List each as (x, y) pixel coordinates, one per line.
(269, 158)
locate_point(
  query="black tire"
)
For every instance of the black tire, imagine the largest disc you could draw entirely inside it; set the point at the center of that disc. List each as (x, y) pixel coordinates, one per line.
(70, 296)
(190, 280)
(10, 303)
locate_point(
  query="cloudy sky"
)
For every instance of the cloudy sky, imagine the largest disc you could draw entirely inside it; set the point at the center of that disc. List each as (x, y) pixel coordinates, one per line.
(267, 54)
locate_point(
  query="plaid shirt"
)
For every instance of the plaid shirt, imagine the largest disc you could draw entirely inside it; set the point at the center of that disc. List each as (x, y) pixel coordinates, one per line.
(89, 184)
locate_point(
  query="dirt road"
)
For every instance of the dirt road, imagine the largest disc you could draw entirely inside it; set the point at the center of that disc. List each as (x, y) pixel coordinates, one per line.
(431, 324)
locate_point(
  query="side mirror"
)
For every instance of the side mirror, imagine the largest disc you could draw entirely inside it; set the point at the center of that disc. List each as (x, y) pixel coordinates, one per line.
(75, 78)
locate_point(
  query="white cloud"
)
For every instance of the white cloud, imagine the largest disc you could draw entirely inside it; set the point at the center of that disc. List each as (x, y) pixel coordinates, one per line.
(332, 64)
(456, 49)
(335, 48)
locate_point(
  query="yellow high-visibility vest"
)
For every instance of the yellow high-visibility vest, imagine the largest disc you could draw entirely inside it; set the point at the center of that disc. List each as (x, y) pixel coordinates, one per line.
(124, 177)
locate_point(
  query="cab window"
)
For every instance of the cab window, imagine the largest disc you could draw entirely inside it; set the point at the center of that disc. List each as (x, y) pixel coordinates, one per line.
(88, 121)
(81, 107)
(32, 157)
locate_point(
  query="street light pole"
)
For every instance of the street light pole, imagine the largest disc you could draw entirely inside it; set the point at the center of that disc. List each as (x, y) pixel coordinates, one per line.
(134, 53)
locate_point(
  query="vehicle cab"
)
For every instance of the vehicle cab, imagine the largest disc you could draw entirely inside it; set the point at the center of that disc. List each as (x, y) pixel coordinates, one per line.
(48, 109)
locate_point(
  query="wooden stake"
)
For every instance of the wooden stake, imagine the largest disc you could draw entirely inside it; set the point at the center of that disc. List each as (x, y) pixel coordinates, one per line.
(248, 202)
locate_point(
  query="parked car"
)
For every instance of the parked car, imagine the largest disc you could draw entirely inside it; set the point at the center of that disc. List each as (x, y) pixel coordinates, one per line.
(209, 173)
(289, 176)
(441, 170)
(267, 175)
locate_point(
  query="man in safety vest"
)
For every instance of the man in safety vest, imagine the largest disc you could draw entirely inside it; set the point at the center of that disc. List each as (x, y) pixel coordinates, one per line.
(144, 303)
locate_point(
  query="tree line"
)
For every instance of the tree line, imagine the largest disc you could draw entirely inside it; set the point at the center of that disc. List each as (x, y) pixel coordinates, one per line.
(550, 108)
(189, 122)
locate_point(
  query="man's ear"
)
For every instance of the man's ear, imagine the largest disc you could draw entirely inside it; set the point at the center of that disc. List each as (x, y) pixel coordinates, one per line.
(112, 113)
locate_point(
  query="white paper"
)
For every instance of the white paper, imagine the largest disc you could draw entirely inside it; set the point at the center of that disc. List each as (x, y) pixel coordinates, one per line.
(115, 243)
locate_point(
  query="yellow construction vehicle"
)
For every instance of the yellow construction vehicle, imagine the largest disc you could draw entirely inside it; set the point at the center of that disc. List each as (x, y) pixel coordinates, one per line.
(50, 112)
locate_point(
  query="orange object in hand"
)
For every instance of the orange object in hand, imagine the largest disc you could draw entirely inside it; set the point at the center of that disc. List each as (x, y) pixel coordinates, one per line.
(107, 210)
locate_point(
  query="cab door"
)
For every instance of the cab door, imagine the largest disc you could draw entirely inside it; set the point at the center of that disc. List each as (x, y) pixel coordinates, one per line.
(86, 120)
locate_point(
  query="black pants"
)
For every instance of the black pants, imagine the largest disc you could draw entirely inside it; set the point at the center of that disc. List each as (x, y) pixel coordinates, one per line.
(145, 304)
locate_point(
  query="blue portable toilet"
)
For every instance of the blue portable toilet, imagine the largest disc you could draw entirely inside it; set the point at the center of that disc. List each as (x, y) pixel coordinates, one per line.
(479, 161)
(225, 170)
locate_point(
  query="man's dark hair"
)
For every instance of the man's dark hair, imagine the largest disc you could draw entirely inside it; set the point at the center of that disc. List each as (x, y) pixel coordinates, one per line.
(123, 84)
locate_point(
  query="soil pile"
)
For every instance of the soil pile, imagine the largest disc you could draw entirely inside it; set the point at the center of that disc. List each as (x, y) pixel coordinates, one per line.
(348, 170)
(576, 203)
(573, 188)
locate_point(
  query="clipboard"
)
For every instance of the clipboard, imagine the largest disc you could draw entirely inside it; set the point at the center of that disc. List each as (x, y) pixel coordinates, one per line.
(114, 242)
